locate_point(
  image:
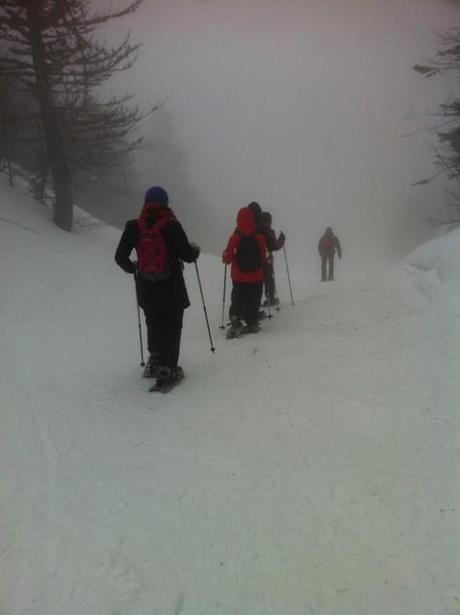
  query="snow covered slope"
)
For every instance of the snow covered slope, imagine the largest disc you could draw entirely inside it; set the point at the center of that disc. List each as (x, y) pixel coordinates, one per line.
(309, 469)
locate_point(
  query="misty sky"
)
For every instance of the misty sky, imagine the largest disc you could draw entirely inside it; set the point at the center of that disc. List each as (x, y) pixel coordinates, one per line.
(298, 104)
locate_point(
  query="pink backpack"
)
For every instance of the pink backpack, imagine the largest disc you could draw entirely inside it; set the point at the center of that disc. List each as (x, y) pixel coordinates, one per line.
(152, 253)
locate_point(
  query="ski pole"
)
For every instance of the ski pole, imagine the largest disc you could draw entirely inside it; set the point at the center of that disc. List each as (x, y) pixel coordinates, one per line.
(275, 292)
(289, 277)
(223, 298)
(204, 307)
(140, 329)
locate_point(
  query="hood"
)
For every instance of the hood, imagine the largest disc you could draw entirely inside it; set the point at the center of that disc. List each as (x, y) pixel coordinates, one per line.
(245, 221)
(151, 212)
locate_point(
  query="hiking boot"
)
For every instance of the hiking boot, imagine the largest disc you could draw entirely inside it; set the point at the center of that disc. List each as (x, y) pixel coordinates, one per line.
(233, 332)
(151, 367)
(178, 373)
(235, 328)
(167, 375)
(236, 323)
(167, 378)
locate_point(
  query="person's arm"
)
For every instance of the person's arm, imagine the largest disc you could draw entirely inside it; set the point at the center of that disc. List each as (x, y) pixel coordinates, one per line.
(338, 247)
(126, 245)
(279, 243)
(229, 252)
(269, 239)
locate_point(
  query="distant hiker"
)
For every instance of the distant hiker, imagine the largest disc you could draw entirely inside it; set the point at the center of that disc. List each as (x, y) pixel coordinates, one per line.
(246, 252)
(273, 245)
(327, 246)
(161, 245)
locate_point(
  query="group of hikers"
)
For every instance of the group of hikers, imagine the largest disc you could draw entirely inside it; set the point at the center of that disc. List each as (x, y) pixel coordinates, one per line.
(161, 246)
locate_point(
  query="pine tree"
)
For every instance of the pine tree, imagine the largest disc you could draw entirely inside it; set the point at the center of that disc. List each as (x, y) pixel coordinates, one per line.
(50, 51)
(447, 157)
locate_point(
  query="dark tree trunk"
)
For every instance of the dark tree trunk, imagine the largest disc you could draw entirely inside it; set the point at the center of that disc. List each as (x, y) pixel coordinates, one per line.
(60, 173)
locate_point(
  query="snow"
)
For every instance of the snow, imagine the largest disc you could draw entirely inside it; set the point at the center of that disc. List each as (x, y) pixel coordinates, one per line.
(312, 468)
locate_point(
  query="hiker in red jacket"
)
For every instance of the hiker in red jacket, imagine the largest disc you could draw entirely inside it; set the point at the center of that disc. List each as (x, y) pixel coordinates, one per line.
(246, 252)
(327, 246)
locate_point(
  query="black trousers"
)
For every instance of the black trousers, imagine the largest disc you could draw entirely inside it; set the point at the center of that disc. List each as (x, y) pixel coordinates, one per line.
(269, 282)
(246, 298)
(325, 261)
(164, 330)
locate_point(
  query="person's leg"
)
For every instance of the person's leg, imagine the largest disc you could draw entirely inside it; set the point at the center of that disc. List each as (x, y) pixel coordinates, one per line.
(323, 268)
(244, 301)
(176, 321)
(170, 325)
(151, 366)
(331, 268)
(236, 308)
(270, 284)
(169, 331)
(253, 298)
(150, 323)
(144, 293)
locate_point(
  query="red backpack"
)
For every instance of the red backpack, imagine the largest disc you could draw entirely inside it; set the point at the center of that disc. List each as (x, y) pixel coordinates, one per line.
(152, 253)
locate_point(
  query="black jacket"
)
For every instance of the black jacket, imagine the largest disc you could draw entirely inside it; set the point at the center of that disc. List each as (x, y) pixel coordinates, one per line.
(165, 295)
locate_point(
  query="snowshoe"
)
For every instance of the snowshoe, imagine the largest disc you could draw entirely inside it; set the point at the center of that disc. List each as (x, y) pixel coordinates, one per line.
(233, 332)
(151, 367)
(236, 326)
(250, 329)
(167, 379)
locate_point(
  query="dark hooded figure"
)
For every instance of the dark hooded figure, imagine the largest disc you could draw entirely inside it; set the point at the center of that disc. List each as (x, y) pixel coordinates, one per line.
(246, 253)
(273, 245)
(161, 245)
(256, 210)
(327, 247)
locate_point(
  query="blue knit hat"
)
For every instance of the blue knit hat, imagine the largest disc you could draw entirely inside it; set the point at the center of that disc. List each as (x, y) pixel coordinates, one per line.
(157, 194)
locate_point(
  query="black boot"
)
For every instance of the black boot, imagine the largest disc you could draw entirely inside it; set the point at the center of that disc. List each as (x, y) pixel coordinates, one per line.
(168, 376)
(151, 367)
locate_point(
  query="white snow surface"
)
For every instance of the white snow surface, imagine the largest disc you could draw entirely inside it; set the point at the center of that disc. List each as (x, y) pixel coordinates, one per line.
(309, 469)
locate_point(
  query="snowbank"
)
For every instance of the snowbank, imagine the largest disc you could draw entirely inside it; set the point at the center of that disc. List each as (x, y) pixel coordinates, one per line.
(435, 267)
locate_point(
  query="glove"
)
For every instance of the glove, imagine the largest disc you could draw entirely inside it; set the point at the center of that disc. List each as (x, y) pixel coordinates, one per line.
(282, 238)
(197, 249)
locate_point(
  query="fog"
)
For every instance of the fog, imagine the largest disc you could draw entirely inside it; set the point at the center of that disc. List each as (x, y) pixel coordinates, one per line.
(300, 105)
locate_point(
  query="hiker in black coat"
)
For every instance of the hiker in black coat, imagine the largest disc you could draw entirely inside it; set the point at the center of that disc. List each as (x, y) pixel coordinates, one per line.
(263, 220)
(273, 245)
(163, 301)
(328, 245)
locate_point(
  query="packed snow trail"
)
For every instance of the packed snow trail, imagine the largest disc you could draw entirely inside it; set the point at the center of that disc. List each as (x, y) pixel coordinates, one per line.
(311, 468)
